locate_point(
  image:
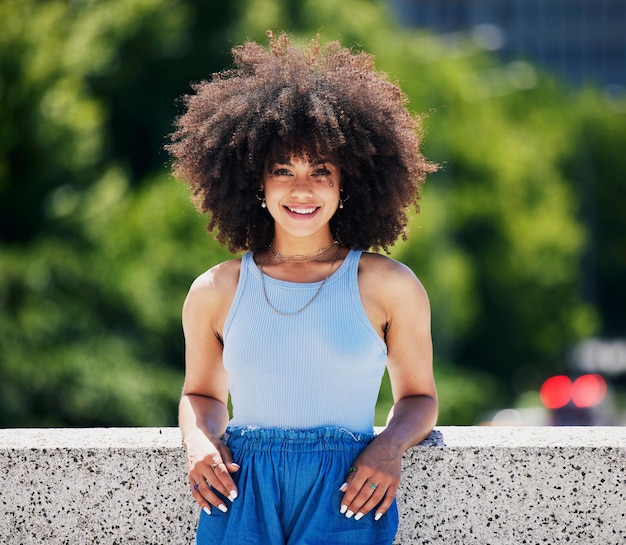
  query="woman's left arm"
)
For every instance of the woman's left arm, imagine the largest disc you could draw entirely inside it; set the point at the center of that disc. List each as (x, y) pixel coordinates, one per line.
(404, 311)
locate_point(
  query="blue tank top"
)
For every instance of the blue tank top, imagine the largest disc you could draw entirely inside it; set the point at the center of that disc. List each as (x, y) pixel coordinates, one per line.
(321, 367)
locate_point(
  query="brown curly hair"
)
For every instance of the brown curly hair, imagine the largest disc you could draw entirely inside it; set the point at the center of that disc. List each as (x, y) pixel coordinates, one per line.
(321, 101)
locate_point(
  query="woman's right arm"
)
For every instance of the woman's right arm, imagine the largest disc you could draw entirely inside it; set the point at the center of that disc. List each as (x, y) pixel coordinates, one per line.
(203, 412)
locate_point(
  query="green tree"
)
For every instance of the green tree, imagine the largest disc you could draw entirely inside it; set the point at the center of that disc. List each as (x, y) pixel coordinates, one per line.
(509, 242)
(85, 85)
(85, 103)
(597, 165)
(90, 331)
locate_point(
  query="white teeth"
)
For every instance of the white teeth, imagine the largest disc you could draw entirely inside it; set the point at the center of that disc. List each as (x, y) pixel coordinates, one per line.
(302, 210)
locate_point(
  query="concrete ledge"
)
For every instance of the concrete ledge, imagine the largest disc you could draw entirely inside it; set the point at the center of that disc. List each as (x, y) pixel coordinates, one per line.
(463, 485)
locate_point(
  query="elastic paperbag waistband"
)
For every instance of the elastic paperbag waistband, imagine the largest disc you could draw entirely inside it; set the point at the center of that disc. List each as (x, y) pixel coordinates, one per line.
(277, 439)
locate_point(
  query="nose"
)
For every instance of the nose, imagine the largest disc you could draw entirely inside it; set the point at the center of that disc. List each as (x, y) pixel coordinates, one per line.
(301, 184)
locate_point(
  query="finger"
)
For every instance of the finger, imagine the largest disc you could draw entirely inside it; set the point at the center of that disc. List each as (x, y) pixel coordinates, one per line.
(351, 490)
(385, 504)
(233, 467)
(374, 499)
(227, 460)
(367, 497)
(223, 469)
(349, 478)
(222, 481)
(207, 498)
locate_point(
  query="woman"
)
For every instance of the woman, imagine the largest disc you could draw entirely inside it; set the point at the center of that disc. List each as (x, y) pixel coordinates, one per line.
(304, 159)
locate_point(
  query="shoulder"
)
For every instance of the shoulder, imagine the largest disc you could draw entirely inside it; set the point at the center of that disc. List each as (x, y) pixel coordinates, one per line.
(218, 278)
(391, 282)
(212, 292)
(372, 266)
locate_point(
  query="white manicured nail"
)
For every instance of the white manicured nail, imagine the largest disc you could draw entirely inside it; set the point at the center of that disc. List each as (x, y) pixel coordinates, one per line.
(343, 487)
(343, 509)
(358, 516)
(206, 510)
(378, 515)
(222, 508)
(349, 514)
(233, 495)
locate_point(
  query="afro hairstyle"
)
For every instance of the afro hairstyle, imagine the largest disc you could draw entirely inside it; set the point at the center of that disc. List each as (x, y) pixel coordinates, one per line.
(321, 101)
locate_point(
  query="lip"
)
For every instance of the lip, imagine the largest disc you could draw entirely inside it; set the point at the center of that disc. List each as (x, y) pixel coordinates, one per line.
(301, 212)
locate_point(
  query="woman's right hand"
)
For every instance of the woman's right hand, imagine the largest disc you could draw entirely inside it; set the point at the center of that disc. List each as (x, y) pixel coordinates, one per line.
(210, 464)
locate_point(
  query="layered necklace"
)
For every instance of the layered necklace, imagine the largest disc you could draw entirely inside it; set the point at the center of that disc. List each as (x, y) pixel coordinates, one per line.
(302, 257)
(299, 259)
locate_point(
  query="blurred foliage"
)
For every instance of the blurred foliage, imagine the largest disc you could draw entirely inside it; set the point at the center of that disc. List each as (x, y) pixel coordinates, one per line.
(86, 84)
(521, 242)
(596, 168)
(499, 239)
(90, 331)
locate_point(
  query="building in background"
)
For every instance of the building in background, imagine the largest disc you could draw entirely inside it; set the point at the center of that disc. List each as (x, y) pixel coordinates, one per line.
(579, 41)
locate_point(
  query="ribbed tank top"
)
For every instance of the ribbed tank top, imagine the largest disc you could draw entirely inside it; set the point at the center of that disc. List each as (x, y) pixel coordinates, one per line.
(321, 367)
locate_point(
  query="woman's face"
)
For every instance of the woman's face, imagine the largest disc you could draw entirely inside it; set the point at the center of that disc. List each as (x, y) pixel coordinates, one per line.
(302, 194)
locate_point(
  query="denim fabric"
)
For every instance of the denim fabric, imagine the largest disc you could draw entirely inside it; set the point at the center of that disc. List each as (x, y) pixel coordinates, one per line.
(289, 492)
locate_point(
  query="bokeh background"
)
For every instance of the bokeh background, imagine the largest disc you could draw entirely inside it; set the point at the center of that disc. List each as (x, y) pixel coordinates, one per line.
(521, 241)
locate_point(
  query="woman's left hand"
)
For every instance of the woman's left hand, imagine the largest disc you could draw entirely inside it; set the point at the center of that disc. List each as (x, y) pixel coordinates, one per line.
(372, 481)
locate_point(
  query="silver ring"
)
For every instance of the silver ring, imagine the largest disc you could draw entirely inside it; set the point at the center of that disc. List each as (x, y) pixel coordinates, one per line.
(372, 485)
(214, 466)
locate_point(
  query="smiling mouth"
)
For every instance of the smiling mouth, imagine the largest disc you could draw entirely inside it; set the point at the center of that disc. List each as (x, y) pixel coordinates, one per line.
(302, 211)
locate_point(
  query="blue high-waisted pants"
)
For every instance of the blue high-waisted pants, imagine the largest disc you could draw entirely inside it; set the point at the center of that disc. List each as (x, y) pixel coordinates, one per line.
(289, 492)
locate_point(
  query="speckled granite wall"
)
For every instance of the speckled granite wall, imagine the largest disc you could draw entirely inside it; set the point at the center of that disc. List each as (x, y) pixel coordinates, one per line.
(482, 486)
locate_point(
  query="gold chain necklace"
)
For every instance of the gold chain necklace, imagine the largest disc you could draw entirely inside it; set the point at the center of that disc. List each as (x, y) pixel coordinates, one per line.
(302, 257)
(280, 312)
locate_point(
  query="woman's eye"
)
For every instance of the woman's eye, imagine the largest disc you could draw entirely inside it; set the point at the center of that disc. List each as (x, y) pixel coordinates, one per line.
(280, 172)
(321, 172)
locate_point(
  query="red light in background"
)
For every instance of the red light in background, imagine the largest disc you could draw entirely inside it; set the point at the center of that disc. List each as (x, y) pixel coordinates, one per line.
(556, 392)
(588, 390)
